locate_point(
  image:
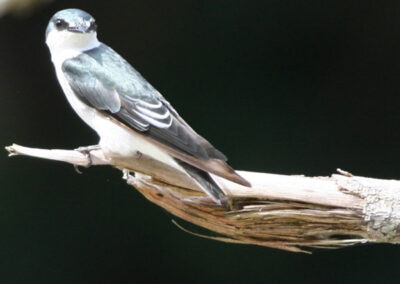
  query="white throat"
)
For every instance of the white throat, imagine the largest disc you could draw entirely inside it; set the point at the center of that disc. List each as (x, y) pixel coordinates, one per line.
(64, 44)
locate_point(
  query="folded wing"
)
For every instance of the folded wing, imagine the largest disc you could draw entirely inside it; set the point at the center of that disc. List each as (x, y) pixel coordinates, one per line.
(113, 86)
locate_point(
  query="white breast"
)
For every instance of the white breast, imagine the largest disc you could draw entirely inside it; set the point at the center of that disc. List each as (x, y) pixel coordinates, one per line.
(115, 140)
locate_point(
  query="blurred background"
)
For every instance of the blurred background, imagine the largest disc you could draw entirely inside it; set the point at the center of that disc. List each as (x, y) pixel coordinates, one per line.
(288, 87)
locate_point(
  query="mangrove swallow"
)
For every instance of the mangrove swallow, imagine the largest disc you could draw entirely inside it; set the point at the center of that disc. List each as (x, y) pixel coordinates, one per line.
(129, 115)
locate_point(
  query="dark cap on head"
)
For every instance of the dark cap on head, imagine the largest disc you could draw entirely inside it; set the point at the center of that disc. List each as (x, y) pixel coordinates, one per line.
(73, 20)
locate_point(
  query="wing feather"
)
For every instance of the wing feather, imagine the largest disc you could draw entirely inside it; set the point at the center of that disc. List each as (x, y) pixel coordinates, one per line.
(104, 80)
(112, 85)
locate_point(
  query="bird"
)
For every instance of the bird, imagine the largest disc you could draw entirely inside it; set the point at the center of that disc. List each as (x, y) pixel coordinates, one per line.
(129, 115)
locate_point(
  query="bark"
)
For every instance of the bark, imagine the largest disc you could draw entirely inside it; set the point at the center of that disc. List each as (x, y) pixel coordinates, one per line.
(294, 213)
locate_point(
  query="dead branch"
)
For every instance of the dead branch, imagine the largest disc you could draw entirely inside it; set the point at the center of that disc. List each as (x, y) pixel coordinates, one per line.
(280, 211)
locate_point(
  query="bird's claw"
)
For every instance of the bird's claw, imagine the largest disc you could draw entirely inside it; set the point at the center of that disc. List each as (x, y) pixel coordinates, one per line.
(76, 168)
(85, 150)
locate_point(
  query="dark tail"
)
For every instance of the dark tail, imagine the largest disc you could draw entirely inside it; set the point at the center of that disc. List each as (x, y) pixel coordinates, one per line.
(205, 181)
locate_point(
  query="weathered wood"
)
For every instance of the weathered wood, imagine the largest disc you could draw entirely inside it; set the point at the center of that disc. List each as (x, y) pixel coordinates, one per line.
(281, 211)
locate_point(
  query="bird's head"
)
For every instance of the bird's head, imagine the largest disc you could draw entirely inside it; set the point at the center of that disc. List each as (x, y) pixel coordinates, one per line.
(71, 29)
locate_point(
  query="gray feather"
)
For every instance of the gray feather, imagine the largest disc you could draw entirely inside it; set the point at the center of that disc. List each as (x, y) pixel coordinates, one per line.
(104, 80)
(204, 180)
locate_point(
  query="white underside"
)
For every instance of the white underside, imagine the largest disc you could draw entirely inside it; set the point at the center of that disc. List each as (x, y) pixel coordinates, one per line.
(115, 139)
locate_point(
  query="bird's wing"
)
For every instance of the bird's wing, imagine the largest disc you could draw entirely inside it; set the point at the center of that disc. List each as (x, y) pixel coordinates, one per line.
(104, 80)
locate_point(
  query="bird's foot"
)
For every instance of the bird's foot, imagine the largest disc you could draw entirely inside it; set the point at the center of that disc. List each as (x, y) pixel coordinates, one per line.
(86, 151)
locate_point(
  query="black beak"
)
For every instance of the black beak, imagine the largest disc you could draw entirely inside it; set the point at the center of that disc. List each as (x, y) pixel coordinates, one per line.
(82, 29)
(78, 29)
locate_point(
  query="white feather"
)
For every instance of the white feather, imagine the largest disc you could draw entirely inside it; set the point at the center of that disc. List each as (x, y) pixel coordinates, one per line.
(155, 122)
(153, 114)
(64, 44)
(149, 105)
(115, 139)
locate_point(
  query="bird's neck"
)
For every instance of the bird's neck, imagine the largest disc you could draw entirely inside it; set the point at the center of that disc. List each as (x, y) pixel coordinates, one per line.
(66, 45)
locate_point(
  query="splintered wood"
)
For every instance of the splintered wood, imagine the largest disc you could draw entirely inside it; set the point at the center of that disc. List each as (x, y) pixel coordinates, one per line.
(294, 213)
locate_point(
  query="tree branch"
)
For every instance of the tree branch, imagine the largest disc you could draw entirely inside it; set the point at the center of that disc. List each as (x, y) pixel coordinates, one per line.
(280, 211)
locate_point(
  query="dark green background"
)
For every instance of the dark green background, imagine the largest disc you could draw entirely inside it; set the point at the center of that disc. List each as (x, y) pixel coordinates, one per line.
(291, 87)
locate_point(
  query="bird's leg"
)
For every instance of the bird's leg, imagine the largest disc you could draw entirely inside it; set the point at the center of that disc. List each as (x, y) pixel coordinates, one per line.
(86, 151)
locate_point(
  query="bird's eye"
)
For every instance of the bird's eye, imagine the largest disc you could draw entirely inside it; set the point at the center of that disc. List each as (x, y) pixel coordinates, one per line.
(60, 24)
